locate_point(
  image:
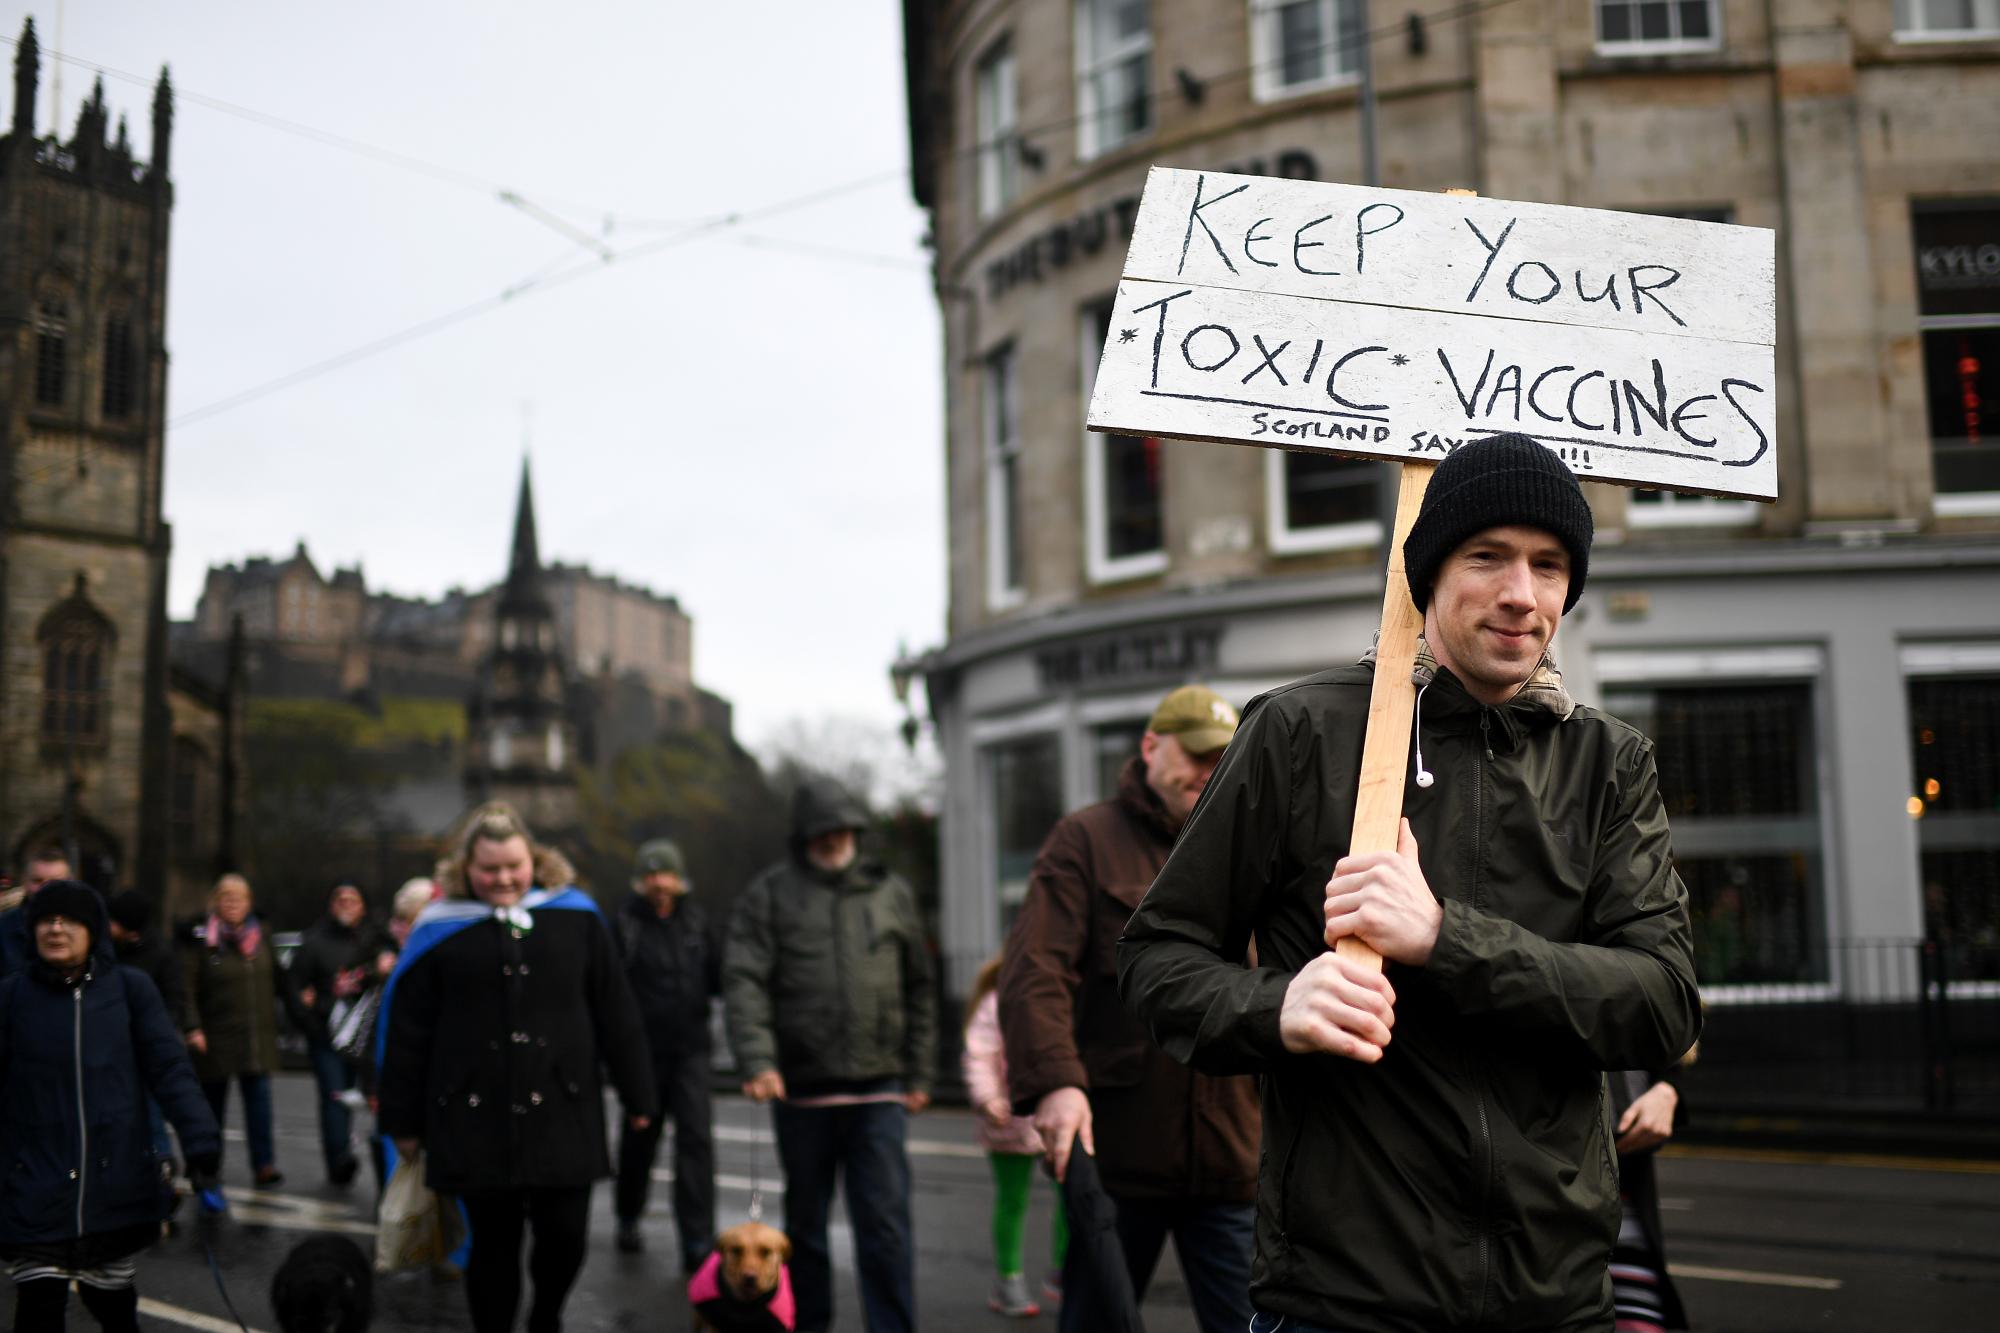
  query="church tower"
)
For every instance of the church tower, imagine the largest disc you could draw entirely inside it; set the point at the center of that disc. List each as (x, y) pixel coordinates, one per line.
(84, 720)
(521, 741)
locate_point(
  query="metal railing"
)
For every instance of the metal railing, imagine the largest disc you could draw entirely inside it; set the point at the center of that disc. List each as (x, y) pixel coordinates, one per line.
(1883, 1026)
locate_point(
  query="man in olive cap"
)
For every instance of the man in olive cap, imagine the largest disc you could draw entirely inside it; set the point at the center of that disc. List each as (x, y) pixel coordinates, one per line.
(673, 966)
(1179, 1150)
(1441, 1159)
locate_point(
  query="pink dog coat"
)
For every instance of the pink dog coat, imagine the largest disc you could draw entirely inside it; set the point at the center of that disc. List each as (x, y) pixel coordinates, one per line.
(773, 1312)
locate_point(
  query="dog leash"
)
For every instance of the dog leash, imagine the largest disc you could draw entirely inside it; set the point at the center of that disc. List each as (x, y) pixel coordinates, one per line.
(756, 1177)
(216, 1269)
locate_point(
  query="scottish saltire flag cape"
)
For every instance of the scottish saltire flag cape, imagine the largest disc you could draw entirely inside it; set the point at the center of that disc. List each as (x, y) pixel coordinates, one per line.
(439, 922)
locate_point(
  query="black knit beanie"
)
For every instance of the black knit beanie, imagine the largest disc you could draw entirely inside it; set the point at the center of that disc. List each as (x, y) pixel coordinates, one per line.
(66, 898)
(1491, 483)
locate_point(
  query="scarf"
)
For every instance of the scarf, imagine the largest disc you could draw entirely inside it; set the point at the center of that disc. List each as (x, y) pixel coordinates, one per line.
(243, 938)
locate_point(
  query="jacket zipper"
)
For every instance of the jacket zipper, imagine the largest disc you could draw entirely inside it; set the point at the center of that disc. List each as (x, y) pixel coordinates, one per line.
(1482, 1223)
(82, 1116)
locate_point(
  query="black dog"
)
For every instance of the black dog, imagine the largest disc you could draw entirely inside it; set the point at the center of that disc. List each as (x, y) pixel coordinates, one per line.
(325, 1285)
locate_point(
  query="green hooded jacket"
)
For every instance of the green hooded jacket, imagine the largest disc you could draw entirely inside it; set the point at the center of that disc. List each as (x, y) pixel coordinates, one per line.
(1466, 1181)
(827, 976)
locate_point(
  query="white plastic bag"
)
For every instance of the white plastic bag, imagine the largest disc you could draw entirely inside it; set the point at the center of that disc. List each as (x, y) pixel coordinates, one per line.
(416, 1227)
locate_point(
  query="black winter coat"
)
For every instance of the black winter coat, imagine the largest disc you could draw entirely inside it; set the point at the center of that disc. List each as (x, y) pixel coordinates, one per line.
(673, 966)
(79, 1160)
(325, 951)
(495, 1041)
(1466, 1180)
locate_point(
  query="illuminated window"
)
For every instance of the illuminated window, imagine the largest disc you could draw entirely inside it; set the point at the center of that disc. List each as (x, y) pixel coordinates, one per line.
(1955, 766)
(1958, 310)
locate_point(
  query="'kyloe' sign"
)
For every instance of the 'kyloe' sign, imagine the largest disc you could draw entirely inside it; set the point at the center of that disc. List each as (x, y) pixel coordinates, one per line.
(1391, 324)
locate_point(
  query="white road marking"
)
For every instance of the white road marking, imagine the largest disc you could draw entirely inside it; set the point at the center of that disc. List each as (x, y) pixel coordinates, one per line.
(1759, 1279)
(174, 1314)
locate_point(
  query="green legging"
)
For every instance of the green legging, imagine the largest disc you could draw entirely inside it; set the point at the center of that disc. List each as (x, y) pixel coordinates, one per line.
(1012, 1174)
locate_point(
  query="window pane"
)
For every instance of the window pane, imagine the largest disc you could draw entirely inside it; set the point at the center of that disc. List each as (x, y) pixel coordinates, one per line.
(1321, 490)
(1132, 109)
(1955, 744)
(1654, 23)
(1301, 42)
(1027, 801)
(1955, 753)
(1962, 912)
(1616, 22)
(1947, 15)
(1752, 917)
(1010, 502)
(1735, 761)
(1694, 20)
(1730, 751)
(1116, 743)
(1131, 495)
(1962, 382)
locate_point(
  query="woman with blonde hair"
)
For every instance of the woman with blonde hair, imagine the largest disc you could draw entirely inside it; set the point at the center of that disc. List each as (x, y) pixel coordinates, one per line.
(233, 987)
(506, 1004)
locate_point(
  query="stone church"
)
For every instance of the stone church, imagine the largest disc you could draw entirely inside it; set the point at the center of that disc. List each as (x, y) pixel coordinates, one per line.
(104, 747)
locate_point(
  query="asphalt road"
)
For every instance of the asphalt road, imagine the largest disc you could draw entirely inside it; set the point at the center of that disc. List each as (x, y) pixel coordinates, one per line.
(1761, 1242)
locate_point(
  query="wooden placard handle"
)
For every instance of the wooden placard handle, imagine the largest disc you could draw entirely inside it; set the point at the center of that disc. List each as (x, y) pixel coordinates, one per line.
(1385, 754)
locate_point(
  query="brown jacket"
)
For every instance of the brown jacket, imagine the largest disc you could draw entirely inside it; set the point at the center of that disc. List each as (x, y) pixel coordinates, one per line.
(1162, 1131)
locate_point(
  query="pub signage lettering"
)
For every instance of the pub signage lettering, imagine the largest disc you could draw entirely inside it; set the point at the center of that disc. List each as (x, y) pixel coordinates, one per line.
(1185, 651)
(1085, 234)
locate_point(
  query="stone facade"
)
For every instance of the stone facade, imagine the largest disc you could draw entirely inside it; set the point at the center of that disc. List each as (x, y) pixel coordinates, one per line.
(86, 725)
(1859, 606)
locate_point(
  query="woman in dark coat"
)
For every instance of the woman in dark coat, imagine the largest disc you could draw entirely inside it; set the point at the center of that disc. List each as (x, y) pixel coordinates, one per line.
(233, 988)
(83, 1042)
(507, 1001)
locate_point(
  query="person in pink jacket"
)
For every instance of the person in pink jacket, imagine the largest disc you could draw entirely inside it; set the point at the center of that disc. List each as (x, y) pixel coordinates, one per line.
(1012, 1148)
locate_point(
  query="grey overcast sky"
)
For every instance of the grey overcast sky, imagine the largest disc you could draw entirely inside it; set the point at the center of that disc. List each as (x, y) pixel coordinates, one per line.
(747, 418)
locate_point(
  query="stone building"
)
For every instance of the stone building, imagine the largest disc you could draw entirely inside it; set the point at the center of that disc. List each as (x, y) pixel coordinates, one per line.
(95, 732)
(1822, 674)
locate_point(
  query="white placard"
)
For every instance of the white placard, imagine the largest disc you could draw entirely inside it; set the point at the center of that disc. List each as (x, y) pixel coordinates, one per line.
(1386, 323)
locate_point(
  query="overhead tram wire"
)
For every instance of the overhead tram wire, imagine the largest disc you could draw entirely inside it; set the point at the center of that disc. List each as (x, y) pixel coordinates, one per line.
(541, 281)
(692, 231)
(328, 138)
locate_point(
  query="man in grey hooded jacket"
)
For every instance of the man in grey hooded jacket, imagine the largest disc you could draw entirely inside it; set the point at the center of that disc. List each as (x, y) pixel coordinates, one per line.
(832, 1013)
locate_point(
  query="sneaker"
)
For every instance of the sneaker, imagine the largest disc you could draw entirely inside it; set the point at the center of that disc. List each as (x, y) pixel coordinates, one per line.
(212, 1202)
(269, 1177)
(1052, 1286)
(1011, 1298)
(630, 1241)
(342, 1172)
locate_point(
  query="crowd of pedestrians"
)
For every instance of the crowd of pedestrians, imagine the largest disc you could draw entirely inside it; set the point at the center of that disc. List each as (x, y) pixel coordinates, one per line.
(1419, 1134)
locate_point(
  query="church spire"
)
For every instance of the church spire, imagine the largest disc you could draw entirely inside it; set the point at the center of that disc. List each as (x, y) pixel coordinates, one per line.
(524, 567)
(27, 73)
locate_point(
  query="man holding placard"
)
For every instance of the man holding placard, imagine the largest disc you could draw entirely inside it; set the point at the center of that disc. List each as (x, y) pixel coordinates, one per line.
(1437, 1154)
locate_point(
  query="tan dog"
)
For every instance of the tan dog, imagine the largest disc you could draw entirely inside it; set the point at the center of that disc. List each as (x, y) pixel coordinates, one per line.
(753, 1257)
